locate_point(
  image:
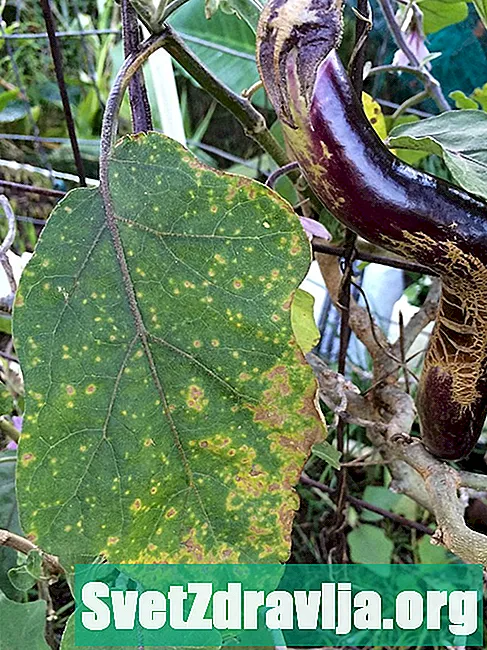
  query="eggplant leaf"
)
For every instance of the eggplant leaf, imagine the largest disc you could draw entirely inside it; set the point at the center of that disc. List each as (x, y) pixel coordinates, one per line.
(459, 137)
(169, 409)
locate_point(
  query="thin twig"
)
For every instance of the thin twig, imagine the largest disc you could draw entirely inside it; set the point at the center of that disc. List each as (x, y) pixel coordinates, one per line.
(249, 117)
(360, 503)
(24, 546)
(278, 173)
(395, 262)
(363, 25)
(253, 122)
(58, 69)
(431, 84)
(8, 428)
(42, 191)
(7, 243)
(410, 102)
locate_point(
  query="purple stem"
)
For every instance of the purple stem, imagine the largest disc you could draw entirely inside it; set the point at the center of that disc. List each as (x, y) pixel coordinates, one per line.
(139, 102)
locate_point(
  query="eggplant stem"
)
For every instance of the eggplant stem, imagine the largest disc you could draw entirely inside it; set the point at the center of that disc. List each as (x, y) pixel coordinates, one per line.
(431, 84)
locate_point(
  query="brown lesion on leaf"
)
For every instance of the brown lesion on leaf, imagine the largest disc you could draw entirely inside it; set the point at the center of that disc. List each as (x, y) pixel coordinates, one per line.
(27, 459)
(195, 398)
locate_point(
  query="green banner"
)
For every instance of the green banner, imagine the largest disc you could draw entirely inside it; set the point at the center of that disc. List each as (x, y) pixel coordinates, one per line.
(276, 605)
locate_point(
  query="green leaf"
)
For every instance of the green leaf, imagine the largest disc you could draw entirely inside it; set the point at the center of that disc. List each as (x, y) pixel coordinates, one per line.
(459, 137)
(182, 410)
(7, 96)
(328, 453)
(248, 10)
(21, 579)
(9, 519)
(438, 14)
(406, 507)
(381, 497)
(22, 625)
(13, 111)
(303, 321)
(224, 43)
(480, 95)
(481, 7)
(33, 564)
(462, 101)
(369, 545)
(431, 553)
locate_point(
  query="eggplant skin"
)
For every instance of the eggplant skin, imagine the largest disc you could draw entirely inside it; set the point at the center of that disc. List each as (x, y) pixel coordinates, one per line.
(389, 203)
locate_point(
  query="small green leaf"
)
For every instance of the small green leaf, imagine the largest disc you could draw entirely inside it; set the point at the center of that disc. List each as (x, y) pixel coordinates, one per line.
(303, 322)
(459, 137)
(480, 95)
(432, 553)
(22, 625)
(462, 101)
(381, 497)
(328, 453)
(183, 410)
(369, 545)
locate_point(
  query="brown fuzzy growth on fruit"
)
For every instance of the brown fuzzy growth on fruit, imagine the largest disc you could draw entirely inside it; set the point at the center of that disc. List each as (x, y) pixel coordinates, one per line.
(387, 202)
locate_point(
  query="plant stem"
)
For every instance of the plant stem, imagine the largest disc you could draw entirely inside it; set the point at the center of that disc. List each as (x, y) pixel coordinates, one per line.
(431, 84)
(8, 428)
(23, 545)
(250, 118)
(363, 25)
(58, 68)
(409, 102)
(139, 102)
(360, 503)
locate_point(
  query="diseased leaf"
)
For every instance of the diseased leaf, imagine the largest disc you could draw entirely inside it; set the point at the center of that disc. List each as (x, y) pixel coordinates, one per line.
(375, 115)
(459, 137)
(22, 625)
(303, 322)
(369, 545)
(169, 410)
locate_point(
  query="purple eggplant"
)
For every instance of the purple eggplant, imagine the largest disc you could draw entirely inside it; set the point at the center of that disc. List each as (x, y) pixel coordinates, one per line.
(388, 203)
